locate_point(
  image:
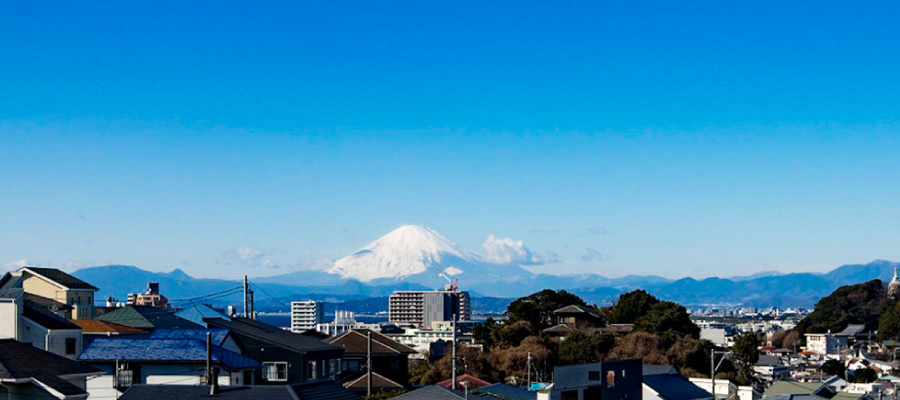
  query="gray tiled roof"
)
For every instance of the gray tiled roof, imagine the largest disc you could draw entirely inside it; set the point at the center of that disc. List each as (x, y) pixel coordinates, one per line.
(157, 392)
(435, 392)
(62, 278)
(43, 317)
(323, 390)
(271, 334)
(21, 360)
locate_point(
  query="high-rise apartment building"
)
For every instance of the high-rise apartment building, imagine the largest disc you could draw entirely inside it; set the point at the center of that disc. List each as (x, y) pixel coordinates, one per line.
(421, 308)
(305, 315)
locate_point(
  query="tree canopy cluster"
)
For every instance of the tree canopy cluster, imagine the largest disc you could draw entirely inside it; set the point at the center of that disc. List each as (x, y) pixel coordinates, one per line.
(663, 334)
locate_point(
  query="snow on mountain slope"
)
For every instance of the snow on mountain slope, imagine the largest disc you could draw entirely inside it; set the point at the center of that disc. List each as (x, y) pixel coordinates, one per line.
(405, 251)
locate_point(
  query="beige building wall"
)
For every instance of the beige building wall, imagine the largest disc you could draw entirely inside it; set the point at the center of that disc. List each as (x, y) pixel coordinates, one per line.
(48, 294)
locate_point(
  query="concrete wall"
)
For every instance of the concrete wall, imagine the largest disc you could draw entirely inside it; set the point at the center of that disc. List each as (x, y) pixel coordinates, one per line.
(10, 310)
(53, 340)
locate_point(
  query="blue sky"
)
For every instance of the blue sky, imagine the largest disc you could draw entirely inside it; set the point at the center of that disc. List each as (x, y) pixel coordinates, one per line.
(657, 138)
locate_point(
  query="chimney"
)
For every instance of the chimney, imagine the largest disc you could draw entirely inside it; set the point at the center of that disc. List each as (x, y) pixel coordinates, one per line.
(153, 288)
(214, 381)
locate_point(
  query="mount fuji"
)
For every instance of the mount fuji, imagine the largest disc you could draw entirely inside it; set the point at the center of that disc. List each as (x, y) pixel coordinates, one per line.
(411, 253)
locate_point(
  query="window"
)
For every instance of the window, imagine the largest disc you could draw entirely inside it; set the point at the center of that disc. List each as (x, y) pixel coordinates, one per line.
(311, 370)
(593, 375)
(275, 371)
(333, 367)
(351, 365)
(70, 346)
(395, 364)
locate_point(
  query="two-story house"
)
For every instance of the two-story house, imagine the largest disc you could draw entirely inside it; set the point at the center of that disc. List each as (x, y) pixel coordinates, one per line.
(54, 289)
(286, 357)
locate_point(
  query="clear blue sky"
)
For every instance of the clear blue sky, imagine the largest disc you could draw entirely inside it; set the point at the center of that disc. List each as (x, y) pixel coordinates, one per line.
(708, 138)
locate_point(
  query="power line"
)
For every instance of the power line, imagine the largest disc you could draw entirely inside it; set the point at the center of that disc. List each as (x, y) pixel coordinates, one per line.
(224, 292)
(270, 295)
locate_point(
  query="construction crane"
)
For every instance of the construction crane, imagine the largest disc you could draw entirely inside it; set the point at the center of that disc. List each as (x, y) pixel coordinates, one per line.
(452, 283)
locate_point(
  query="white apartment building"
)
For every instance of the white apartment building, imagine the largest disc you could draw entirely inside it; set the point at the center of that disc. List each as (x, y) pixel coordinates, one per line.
(305, 315)
(825, 343)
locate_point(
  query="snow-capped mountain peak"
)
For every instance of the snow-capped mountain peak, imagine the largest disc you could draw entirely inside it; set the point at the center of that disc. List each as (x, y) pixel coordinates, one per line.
(405, 251)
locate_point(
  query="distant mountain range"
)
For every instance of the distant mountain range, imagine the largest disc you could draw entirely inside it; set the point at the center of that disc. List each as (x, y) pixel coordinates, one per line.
(406, 259)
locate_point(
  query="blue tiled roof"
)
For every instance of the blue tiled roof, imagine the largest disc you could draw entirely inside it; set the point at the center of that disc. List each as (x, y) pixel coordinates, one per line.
(675, 387)
(174, 350)
(197, 312)
(505, 391)
(218, 335)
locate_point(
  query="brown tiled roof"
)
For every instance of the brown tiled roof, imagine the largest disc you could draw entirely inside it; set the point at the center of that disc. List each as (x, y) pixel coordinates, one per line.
(355, 341)
(378, 382)
(97, 326)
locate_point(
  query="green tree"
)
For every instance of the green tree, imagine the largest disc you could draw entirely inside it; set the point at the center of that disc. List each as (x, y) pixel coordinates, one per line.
(688, 353)
(630, 307)
(578, 348)
(889, 325)
(510, 333)
(746, 352)
(854, 304)
(833, 367)
(669, 320)
(537, 308)
(864, 375)
(482, 333)
(639, 345)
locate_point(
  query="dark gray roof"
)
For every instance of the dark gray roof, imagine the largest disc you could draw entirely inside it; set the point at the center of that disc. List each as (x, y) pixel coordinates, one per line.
(852, 330)
(769, 361)
(576, 309)
(271, 334)
(43, 317)
(435, 392)
(21, 360)
(670, 385)
(650, 369)
(323, 390)
(157, 392)
(61, 278)
(505, 392)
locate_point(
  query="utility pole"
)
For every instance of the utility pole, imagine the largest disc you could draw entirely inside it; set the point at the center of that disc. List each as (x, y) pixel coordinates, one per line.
(369, 363)
(245, 296)
(528, 371)
(252, 303)
(208, 358)
(713, 367)
(453, 364)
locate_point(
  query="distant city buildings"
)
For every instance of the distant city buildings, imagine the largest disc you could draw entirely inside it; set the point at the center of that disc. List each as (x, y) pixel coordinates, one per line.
(305, 315)
(421, 308)
(151, 297)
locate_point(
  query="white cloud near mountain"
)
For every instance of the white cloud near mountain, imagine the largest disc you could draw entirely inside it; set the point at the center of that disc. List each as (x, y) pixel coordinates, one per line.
(509, 251)
(14, 265)
(591, 254)
(250, 257)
